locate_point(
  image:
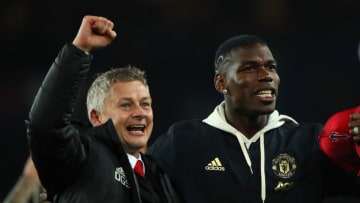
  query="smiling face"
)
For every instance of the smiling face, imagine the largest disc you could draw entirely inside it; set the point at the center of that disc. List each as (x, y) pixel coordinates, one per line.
(122, 95)
(129, 107)
(251, 80)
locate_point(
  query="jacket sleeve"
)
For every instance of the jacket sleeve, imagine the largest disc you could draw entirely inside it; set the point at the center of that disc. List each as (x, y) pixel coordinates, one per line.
(337, 142)
(55, 144)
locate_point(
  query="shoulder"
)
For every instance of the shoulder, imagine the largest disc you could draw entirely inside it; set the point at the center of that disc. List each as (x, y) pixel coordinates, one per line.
(188, 130)
(186, 125)
(304, 126)
(305, 132)
(177, 133)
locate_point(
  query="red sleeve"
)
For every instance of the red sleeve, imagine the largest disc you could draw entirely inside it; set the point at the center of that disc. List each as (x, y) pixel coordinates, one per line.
(337, 143)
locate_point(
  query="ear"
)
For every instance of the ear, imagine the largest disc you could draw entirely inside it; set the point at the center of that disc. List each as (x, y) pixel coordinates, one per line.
(95, 118)
(220, 82)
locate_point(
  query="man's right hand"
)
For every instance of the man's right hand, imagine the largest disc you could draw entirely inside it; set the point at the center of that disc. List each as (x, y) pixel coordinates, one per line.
(95, 32)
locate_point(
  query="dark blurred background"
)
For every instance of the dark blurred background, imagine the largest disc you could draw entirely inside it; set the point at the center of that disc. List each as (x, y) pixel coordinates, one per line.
(315, 42)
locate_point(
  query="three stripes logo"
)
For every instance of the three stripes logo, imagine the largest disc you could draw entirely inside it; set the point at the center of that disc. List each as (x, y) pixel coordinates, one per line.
(215, 165)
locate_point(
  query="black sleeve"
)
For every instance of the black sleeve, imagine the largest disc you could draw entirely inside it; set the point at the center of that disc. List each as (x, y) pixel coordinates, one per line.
(54, 142)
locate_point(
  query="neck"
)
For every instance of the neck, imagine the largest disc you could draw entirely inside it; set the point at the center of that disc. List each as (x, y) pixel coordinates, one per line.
(248, 125)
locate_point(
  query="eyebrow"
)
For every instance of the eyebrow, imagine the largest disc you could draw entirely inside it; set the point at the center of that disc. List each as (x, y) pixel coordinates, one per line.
(255, 62)
(131, 99)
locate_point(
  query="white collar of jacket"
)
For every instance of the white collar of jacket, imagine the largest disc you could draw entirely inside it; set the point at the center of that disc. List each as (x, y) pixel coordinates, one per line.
(217, 120)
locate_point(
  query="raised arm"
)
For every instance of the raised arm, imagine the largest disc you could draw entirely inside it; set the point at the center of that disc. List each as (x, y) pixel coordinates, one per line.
(55, 143)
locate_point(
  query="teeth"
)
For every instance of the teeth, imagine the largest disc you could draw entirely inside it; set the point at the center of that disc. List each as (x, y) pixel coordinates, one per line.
(265, 93)
(137, 126)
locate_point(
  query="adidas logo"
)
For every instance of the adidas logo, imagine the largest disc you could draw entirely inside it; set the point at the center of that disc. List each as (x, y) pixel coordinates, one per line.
(215, 165)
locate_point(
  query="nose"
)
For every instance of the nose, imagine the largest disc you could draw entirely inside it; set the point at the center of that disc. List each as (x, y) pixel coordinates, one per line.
(140, 112)
(264, 75)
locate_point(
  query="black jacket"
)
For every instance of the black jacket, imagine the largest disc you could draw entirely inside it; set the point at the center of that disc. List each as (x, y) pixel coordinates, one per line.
(207, 165)
(79, 165)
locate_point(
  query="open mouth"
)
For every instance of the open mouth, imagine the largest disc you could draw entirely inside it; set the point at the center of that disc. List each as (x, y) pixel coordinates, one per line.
(136, 127)
(265, 93)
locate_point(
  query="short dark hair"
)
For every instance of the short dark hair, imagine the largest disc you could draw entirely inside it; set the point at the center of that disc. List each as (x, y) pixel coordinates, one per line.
(225, 48)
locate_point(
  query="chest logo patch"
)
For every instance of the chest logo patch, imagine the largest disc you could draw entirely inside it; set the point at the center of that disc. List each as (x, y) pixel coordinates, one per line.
(121, 177)
(284, 166)
(215, 165)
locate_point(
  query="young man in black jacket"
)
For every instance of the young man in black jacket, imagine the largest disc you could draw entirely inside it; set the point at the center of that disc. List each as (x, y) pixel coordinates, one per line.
(245, 150)
(95, 164)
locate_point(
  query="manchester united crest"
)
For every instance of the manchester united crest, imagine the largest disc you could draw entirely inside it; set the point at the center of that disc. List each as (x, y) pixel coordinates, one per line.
(284, 165)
